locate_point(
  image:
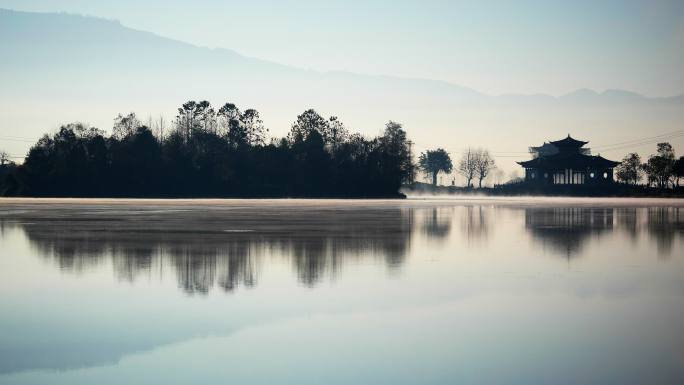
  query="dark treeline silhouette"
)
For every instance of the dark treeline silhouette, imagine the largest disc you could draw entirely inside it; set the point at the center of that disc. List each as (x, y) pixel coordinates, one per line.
(662, 169)
(214, 153)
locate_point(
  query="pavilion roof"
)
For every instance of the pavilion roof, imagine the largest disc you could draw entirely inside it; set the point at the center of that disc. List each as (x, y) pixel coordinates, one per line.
(574, 161)
(569, 142)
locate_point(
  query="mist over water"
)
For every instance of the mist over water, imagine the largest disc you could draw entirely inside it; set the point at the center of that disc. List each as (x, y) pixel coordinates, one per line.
(510, 290)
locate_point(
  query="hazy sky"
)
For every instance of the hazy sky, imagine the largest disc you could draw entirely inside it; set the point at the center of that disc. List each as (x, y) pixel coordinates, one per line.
(492, 46)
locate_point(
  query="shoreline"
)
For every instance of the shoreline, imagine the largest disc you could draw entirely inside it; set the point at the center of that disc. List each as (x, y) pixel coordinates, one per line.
(408, 202)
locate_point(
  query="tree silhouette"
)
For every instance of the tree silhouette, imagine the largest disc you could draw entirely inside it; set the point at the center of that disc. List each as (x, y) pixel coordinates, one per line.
(432, 162)
(484, 163)
(629, 170)
(4, 158)
(659, 167)
(186, 122)
(467, 166)
(336, 133)
(255, 132)
(307, 122)
(125, 125)
(214, 153)
(678, 169)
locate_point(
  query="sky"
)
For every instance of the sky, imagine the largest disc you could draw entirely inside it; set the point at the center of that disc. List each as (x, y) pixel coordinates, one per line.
(496, 47)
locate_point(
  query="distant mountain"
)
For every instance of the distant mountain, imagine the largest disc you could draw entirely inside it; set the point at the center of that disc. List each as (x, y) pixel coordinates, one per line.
(57, 68)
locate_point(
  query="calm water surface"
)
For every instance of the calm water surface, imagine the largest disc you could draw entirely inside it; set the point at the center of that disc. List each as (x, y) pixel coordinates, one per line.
(505, 291)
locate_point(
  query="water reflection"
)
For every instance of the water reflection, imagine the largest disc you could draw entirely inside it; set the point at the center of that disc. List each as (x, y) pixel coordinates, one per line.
(437, 222)
(475, 223)
(664, 224)
(224, 251)
(224, 248)
(566, 229)
(60, 323)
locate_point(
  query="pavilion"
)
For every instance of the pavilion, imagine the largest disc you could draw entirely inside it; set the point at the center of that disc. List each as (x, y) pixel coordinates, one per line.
(567, 162)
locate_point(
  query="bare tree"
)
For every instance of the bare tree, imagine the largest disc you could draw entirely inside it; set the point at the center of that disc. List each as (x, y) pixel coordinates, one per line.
(484, 164)
(467, 166)
(161, 126)
(150, 121)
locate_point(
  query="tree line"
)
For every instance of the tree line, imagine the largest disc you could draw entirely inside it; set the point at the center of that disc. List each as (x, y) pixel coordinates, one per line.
(662, 169)
(208, 152)
(474, 164)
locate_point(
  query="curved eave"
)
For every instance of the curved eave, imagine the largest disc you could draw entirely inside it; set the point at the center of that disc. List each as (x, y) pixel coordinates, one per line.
(559, 161)
(569, 142)
(528, 163)
(608, 163)
(574, 143)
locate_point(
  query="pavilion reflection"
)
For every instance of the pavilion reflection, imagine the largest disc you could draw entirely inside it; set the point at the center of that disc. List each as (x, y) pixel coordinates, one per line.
(224, 251)
(564, 230)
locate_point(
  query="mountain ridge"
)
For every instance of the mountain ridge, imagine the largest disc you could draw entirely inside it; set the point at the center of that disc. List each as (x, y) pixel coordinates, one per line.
(583, 92)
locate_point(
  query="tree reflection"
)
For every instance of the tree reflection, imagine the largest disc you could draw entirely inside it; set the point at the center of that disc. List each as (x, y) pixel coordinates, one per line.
(223, 250)
(223, 247)
(627, 219)
(437, 222)
(566, 229)
(664, 224)
(475, 223)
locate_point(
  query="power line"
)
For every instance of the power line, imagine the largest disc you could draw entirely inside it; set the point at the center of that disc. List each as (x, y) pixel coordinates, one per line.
(17, 140)
(601, 148)
(637, 141)
(639, 144)
(17, 137)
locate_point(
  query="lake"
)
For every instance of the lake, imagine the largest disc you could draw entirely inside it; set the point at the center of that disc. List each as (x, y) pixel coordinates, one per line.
(418, 291)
